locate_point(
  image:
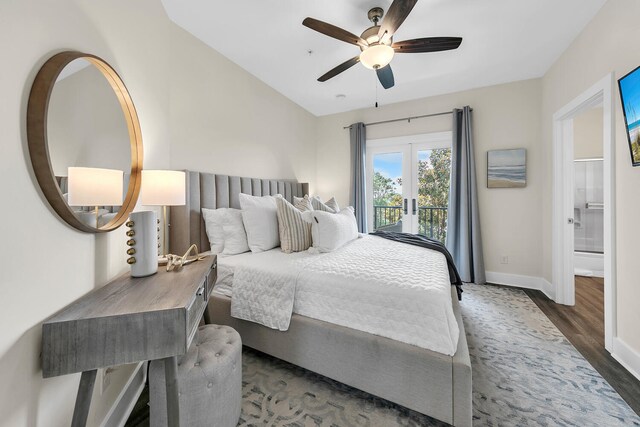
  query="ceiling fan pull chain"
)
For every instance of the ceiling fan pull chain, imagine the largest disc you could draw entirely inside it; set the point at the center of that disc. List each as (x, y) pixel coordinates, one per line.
(376, 85)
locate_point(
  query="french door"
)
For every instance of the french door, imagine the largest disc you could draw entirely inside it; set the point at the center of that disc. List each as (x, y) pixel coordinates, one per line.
(408, 184)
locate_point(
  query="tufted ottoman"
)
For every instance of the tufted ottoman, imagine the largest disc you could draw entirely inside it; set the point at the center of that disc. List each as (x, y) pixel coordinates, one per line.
(209, 381)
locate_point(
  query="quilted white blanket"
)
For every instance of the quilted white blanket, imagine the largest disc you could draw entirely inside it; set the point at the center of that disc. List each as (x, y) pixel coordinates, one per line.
(264, 289)
(373, 285)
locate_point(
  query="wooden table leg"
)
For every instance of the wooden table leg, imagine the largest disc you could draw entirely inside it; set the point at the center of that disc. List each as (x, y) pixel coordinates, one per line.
(83, 400)
(173, 399)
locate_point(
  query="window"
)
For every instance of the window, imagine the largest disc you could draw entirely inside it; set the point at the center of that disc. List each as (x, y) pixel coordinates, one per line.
(408, 184)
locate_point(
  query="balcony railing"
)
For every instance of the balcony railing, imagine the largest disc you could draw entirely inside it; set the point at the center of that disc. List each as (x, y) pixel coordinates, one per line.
(432, 221)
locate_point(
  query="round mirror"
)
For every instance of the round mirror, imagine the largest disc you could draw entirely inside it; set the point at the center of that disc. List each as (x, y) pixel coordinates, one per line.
(84, 141)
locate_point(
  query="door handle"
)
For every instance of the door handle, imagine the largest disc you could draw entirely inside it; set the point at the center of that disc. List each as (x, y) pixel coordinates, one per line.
(405, 207)
(414, 208)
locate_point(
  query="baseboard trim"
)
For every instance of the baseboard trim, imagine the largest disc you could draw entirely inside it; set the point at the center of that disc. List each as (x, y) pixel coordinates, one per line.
(628, 357)
(521, 281)
(122, 407)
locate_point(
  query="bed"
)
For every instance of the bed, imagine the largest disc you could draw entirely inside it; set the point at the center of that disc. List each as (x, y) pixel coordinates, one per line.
(435, 383)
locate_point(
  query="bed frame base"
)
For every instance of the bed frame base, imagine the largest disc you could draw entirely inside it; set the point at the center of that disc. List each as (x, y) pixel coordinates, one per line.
(431, 383)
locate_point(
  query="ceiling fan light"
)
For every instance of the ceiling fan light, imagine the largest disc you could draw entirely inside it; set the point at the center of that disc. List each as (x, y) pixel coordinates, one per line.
(376, 56)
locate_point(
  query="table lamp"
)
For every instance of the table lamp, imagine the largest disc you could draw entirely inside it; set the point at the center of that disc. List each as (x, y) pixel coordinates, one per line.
(163, 188)
(95, 187)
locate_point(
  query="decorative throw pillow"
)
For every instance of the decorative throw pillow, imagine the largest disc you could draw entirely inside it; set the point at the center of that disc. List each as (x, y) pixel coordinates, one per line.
(318, 205)
(295, 233)
(213, 220)
(303, 204)
(259, 215)
(333, 204)
(235, 237)
(331, 231)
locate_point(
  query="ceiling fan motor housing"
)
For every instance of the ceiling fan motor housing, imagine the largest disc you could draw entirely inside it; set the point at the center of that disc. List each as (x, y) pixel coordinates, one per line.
(371, 36)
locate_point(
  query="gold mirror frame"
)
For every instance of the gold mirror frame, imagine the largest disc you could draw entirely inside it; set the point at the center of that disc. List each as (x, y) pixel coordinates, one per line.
(37, 110)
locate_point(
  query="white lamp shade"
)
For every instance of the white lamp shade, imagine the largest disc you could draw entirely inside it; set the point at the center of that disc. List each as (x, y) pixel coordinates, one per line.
(376, 56)
(162, 188)
(94, 187)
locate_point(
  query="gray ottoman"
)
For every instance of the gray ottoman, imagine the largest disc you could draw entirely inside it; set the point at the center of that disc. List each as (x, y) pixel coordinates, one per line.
(209, 381)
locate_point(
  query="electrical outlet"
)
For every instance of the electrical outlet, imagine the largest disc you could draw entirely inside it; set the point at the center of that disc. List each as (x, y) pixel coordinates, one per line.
(504, 259)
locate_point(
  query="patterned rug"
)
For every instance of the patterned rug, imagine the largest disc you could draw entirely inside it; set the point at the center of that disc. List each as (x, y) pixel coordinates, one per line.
(525, 373)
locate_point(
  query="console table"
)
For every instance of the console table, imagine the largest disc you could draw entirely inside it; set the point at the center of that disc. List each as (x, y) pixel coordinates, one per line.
(128, 320)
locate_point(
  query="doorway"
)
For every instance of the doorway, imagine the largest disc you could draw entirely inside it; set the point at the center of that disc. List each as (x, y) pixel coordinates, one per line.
(408, 184)
(588, 222)
(565, 214)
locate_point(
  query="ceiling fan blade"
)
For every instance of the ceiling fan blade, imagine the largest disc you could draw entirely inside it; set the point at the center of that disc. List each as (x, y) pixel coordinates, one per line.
(397, 13)
(333, 31)
(385, 75)
(427, 44)
(340, 68)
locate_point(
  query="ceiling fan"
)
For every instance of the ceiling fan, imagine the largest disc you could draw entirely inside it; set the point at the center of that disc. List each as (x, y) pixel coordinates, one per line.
(376, 42)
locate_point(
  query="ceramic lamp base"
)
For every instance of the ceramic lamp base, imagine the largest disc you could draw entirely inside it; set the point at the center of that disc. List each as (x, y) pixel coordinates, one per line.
(143, 242)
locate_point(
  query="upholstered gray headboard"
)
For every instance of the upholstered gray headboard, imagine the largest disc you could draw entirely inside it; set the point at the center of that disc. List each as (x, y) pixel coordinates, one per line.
(207, 190)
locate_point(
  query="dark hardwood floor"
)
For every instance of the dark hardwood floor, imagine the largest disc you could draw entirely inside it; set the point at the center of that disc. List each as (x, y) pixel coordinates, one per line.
(583, 325)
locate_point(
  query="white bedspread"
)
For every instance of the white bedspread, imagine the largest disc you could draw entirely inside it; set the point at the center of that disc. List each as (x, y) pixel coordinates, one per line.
(373, 285)
(264, 288)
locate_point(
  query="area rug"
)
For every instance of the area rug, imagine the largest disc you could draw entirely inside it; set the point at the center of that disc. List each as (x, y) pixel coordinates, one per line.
(525, 373)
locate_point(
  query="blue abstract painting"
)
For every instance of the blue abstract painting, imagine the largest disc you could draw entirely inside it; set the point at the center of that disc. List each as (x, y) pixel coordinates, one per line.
(507, 168)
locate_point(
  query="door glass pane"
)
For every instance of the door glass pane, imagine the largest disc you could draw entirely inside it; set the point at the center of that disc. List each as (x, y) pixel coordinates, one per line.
(387, 192)
(588, 212)
(434, 171)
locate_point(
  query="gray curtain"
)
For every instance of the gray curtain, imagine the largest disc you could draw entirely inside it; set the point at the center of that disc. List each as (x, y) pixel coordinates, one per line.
(358, 192)
(464, 239)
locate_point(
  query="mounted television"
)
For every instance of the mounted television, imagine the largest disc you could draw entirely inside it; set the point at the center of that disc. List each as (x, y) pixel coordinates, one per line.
(630, 95)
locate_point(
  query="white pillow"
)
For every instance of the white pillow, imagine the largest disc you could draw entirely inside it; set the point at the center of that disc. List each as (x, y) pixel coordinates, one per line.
(260, 218)
(331, 231)
(213, 220)
(235, 237)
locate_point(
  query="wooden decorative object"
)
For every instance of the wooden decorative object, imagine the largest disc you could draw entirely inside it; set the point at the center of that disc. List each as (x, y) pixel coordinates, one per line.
(37, 110)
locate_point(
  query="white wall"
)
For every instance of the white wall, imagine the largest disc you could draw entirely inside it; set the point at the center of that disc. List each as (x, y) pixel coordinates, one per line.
(587, 134)
(608, 44)
(504, 116)
(189, 118)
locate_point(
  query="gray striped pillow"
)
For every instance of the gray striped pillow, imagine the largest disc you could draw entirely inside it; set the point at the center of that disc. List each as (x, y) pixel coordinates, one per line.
(295, 233)
(333, 204)
(303, 203)
(318, 205)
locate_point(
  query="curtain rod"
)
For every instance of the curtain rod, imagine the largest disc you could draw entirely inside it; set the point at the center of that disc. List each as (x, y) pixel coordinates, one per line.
(405, 118)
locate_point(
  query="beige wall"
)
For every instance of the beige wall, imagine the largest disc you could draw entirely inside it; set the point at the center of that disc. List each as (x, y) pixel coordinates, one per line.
(608, 44)
(223, 120)
(505, 116)
(587, 134)
(190, 118)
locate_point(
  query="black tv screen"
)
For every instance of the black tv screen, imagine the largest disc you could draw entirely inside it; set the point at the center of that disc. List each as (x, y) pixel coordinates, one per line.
(630, 95)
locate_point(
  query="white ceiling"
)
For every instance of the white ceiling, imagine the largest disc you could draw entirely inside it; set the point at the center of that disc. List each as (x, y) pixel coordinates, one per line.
(504, 40)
